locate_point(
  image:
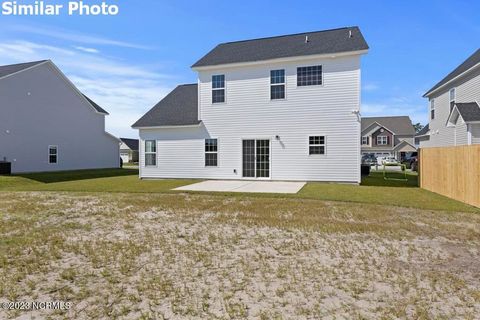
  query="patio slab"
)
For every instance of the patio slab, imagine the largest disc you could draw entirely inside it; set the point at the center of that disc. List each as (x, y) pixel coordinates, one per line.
(244, 186)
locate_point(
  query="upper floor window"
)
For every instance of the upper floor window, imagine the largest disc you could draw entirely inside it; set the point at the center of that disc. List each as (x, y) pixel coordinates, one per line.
(309, 76)
(382, 140)
(452, 99)
(365, 140)
(432, 109)
(316, 145)
(218, 88)
(277, 84)
(211, 152)
(52, 154)
(150, 153)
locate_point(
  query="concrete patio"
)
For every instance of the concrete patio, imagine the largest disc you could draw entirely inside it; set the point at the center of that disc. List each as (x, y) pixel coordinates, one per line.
(244, 186)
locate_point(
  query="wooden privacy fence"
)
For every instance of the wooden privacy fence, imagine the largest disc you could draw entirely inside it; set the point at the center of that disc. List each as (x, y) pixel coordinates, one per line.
(452, 171)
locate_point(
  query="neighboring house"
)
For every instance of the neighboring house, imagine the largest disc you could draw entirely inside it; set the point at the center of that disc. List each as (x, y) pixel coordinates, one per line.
(422, 135)
(129, 150)
(47, 124)
(280, 108)
(388, 136)
(454, 107)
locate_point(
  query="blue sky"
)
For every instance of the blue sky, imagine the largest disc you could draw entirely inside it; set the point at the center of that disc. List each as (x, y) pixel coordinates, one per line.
(130, 61)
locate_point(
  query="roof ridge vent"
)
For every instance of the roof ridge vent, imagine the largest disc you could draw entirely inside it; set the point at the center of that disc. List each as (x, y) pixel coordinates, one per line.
(306, 39)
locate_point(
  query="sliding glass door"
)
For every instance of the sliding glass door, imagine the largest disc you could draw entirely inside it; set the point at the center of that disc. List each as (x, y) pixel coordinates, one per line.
(256, 158)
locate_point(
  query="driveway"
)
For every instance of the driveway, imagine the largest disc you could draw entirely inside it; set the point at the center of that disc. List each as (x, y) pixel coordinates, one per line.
(245, 186)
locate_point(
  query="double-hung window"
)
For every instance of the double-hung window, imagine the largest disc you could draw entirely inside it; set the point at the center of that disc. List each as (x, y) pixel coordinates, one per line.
(432, 109)
(150, 153)
(52, 154)
(452, 99)
(316, 145)
(382, 140)
(211, 152)
(309, 76)
(218, 88)
(277, 84)
(365, 140)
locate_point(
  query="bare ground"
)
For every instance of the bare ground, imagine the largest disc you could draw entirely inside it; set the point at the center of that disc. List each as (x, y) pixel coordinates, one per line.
(206, 257)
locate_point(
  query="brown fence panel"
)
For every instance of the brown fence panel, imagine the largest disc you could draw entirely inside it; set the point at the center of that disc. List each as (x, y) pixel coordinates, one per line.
(452, 171)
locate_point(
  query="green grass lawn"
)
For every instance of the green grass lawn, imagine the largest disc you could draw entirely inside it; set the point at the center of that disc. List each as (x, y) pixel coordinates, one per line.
(374, 188)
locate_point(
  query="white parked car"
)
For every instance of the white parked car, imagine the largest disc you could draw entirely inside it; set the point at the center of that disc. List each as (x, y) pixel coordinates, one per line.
(389, 160)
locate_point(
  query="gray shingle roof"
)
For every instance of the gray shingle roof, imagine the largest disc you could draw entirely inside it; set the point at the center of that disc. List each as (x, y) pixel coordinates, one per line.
(467, 64)
(179, 107)
(423, 131)
(131, 143)
(12, 68)
(469, 111)
(96, 106)
(319, 42)
(400, 125)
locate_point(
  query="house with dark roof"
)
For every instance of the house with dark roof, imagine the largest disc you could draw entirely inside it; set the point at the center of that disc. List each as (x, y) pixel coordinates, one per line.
(47, 124)
(129, 150)
(388, 136)
(454, 107)
(278, 108)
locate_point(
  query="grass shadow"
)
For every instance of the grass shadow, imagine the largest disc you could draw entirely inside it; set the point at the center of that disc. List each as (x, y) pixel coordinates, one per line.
(62, 176)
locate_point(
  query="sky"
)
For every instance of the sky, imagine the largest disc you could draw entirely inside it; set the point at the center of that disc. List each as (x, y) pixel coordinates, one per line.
(128, 62)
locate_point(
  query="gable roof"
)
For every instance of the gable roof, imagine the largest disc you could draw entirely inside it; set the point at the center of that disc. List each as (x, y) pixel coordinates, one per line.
(95, 105)
(131, 143)
(469, 111)
(178, 108)
(471, 61)
(13, 68)
(319, 42)
(399, 125)
(424, 131)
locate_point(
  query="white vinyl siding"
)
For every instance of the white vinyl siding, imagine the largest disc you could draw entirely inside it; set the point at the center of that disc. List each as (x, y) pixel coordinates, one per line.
(467, 89)
(475, 130)
(248, 113)
(53, 114)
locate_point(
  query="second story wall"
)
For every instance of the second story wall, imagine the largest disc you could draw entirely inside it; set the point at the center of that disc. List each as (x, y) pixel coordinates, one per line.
(248, 103)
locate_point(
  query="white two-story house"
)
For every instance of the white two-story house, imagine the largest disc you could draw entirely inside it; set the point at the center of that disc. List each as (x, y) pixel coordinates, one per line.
(454, 108)
(279, 108)
(47, 124)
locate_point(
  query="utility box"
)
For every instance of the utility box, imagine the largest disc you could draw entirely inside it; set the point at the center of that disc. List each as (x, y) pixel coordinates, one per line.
(5, 167)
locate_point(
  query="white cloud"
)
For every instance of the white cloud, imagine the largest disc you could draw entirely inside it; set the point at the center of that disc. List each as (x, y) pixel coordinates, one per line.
(72, 36)
(126, 91)
(88, 50)
(370, 87)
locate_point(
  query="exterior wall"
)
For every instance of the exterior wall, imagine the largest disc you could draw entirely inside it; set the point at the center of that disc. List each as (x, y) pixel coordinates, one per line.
(40, 109)
(385, 133)
(467, 90)
(250, 114)
(475, 130)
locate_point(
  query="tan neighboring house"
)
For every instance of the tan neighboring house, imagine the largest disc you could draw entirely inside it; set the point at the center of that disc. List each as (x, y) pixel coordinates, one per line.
(388, 136)
(129, 150)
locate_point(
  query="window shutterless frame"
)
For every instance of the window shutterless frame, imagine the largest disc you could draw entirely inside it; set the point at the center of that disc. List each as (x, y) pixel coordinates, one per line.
(317, 145)
(277, 84)
(218, 89)
(211, 152)
(382, 140)
(52, 154)
(432, 109)
(310, 76)
(452, 95)
(150, 153)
